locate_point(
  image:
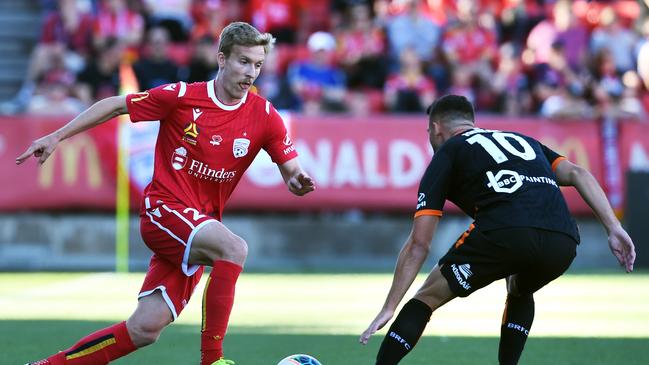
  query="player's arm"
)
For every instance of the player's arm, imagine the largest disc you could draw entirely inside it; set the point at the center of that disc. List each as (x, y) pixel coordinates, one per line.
(298, 182)
(411, 258)
(569, 174)
(98, 113)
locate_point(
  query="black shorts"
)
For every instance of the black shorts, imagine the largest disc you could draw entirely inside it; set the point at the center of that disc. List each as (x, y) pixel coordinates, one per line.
(479, 258)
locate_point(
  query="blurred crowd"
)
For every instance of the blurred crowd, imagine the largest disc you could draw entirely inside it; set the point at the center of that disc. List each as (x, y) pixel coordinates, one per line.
(556, 59)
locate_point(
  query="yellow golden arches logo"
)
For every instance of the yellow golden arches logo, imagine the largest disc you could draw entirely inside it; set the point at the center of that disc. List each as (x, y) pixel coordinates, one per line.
(191, 130)
(139, 96)
(72, 151)
(572, 148)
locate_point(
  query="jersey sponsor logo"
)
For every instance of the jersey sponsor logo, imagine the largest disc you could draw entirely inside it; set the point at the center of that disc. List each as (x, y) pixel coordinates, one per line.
(191, 133)
(139, 96)
(458, 276)
(421, 200)
(170, 87)
(509, 184)
(203, 171)
(197, 113)
(216, 140)
(179, 158)
(507, 181)
(240, 147)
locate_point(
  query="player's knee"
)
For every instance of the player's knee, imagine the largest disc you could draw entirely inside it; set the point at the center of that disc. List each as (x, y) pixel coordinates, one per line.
(144, 333)
(236, 250)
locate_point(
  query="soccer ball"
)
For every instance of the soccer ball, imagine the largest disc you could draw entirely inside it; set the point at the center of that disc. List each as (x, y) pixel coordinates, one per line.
(299, 359)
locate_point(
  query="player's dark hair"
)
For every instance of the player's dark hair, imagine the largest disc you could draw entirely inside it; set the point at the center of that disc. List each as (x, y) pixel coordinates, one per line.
(243, 34)
(450, 108)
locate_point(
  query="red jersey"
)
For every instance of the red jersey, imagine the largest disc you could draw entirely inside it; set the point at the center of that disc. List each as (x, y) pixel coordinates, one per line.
(204, 146)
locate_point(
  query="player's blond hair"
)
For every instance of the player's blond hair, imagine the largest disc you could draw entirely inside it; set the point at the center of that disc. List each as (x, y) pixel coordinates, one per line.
(243, 34)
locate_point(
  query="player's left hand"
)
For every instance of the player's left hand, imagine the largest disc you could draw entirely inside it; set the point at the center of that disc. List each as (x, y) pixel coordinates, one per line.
(381, 320)
(300, 184)
(622, 247)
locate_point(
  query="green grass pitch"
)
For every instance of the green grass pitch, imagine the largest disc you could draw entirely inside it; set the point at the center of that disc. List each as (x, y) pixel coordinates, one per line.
(595, 319)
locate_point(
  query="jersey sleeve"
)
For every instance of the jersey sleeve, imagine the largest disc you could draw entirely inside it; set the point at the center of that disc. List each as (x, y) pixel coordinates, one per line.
(553, 157)
(154, 104)
(278, 143)
(434, 185)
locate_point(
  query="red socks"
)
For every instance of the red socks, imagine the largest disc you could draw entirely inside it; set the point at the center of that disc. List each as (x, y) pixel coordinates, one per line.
(218, 299)
(97, 348)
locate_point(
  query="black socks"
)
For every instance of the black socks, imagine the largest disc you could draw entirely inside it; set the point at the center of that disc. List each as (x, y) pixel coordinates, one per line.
(404, 332)
(517, 321)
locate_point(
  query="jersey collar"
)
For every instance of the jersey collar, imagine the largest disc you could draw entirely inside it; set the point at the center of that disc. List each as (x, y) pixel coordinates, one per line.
(212, 95)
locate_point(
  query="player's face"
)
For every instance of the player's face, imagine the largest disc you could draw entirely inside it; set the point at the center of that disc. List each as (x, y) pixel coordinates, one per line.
(240, 69)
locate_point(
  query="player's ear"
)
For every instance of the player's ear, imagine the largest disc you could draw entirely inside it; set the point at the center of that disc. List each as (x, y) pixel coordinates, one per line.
(220, 58)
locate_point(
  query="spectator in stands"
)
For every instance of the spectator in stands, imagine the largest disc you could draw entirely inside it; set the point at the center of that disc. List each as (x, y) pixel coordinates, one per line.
(615, 96)
(115, 20)
(173, 15)
(318, 83)
(204, 63)
(54, 93)
(67, 33)
(283, 18)
(210, 17)
(470, 44)
(409, 90)
(643, 64)
(155, 68)
(411, 29)
(100, 77)
(562, 27)
(361, 49)
(618, 39)
(559, 90)
(273, 84)
(510, 83)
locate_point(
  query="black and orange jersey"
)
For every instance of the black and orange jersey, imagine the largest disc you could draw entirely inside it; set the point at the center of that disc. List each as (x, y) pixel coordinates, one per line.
(500, 179)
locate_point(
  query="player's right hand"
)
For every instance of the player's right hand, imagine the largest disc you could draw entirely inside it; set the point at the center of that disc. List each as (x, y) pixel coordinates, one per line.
(381, 320)
(622, 247)
(41, 148)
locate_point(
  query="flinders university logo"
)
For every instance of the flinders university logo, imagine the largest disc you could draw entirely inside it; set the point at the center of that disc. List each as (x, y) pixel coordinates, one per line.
(179, 158)
(240, 147)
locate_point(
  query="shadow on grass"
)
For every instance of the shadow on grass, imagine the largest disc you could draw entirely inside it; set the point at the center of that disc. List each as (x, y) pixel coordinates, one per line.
(30, 340)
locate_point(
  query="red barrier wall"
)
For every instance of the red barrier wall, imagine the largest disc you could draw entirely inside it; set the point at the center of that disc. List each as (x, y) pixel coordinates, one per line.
(373, 163)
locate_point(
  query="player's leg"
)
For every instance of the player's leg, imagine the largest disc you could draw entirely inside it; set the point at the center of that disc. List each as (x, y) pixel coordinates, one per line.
(108, 344)
(215, 245)
(553, 254)
(407, 328)
(516, 324)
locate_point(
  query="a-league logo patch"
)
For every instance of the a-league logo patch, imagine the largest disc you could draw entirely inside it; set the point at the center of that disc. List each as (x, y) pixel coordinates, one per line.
(240, 147)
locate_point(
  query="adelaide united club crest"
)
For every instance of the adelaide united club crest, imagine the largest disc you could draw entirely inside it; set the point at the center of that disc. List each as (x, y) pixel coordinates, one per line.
(240, 147)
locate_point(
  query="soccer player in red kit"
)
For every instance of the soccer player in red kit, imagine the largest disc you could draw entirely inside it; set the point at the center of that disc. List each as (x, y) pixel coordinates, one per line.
(210, 132)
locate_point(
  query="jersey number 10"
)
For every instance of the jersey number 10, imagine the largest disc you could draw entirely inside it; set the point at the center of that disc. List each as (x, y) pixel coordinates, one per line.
(496, 153)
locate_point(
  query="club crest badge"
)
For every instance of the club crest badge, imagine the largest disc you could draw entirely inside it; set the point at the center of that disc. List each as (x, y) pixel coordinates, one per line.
(240, 147)
(179, 158)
